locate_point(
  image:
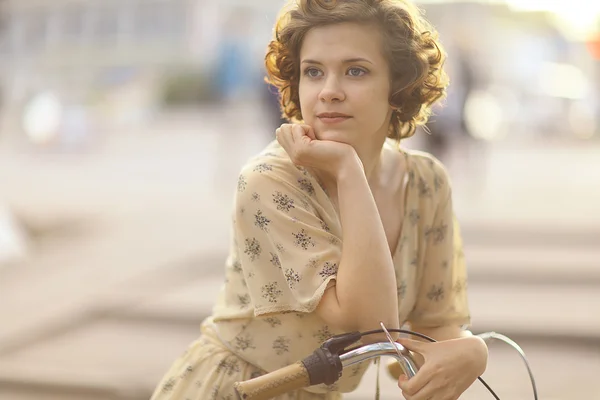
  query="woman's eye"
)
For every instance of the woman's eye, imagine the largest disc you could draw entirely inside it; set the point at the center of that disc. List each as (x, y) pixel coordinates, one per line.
(356, 71)
(312, 72)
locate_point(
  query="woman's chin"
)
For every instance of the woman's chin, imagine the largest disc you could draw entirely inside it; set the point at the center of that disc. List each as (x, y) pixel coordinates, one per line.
(333, 135)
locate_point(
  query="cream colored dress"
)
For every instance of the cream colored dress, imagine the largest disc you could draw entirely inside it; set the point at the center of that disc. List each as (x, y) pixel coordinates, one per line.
(286, 247)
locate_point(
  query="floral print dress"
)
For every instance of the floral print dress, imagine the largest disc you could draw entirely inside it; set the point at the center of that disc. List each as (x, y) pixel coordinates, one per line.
(286, 247)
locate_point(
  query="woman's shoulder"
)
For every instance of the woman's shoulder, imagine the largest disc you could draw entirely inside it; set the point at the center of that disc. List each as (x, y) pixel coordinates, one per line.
(427, 172)
(273, 165)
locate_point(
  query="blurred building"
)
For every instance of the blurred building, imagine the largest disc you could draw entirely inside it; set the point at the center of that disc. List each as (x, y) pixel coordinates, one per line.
(115, 55)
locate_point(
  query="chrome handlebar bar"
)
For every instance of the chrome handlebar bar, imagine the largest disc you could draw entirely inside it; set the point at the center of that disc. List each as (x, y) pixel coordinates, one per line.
(379, 349)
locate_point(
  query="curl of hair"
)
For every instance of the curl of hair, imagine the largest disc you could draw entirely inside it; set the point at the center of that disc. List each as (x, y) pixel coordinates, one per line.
(410, 44)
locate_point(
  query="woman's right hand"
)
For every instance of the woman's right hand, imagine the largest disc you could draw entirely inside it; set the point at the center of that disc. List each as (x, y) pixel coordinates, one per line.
(304, 149)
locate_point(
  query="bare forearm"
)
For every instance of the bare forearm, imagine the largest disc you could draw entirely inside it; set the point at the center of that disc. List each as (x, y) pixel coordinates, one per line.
(366, 281)
(455, 333)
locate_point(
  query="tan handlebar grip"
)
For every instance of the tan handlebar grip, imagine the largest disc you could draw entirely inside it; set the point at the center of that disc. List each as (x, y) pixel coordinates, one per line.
(275, 383)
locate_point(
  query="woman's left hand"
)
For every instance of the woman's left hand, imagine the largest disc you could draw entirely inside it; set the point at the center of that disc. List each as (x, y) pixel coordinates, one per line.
(449, 368)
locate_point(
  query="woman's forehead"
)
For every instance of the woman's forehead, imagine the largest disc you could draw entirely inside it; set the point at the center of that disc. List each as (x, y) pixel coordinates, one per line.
(342, 42)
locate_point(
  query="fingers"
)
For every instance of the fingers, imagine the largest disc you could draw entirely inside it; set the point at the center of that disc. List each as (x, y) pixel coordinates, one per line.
(309, 131)
(295, 138)
(298, 134)
(414, 345)
(427, 393)
(416, 383)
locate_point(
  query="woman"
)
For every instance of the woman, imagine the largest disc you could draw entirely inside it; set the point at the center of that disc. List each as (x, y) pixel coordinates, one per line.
(337, 228)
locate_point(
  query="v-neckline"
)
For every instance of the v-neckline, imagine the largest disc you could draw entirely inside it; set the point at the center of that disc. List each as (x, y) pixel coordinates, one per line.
(405, 187)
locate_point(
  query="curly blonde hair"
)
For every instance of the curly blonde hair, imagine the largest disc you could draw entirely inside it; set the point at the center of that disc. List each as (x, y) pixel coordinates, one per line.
(411, 46)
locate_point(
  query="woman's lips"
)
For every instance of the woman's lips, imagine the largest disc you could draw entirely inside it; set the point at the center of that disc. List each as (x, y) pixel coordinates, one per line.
(333, 120)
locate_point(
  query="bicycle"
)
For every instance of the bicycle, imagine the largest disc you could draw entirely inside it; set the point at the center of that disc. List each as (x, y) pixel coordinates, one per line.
(325, 364)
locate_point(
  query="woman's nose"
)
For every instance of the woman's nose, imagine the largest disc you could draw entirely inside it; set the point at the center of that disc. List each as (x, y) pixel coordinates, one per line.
(332, 90)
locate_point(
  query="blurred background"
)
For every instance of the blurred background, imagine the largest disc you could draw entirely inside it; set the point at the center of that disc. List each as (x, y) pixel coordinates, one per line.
(123, 125)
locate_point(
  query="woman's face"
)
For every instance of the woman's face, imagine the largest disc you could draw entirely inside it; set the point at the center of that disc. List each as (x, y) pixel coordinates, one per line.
(345, 84)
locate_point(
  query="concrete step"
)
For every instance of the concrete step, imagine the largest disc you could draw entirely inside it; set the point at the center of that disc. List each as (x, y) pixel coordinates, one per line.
(99, 359)
(533, 264)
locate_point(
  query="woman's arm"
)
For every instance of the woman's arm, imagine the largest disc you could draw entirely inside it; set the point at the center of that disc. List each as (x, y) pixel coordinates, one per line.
(365, 293)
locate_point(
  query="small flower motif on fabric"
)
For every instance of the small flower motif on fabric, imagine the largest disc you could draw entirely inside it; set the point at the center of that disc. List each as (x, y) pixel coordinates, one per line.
(437, 233)
(252, 249)
(414, 216)
(169, 385)
(241, 185)
(236, 267)
(306, 186)
(256, 374)
(292, 277)
(302, 169)
(244, 342)
(280, 248)
(305, 204)
(402, 290)
(261, 221)
(303, 239)
(424, 189)
(281, 345)
(402, 243)
(325, 227)
(273, 321)
(229, 366)
(260, 168)
(437, 182)
(244, 300)
(323, 334)
(333, 240)
(275, 260)
(313, 262)
(436, 293)
(214, 393)
(271, 292)
(414, 262)
(460, 286)
(283, 201)
(329, 269)
(255, 196)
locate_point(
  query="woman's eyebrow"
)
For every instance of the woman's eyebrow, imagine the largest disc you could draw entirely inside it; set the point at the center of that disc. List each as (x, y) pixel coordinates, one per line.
(347, 61)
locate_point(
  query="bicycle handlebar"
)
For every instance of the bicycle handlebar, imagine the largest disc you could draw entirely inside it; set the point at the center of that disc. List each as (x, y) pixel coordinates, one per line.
(320, 367)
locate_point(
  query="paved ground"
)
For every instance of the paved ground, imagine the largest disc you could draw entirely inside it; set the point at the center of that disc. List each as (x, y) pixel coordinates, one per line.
(129, 239)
